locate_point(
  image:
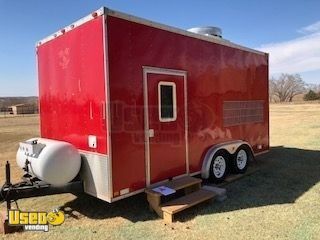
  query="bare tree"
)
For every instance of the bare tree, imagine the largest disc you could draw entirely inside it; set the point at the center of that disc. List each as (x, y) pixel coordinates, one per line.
(314, 87)
(272, 89)
(286, 87)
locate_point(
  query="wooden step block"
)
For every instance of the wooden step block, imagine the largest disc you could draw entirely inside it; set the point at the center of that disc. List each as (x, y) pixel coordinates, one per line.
(187, 201)
(183, 182)
(177, 184)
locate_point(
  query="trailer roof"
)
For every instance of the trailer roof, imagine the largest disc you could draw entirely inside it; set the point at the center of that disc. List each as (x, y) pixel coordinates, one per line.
(107, 11)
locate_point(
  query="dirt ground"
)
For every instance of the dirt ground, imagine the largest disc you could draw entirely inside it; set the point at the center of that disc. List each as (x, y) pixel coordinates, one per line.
(280, 201)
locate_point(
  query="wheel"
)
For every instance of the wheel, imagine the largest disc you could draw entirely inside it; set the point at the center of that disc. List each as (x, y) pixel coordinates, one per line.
(219, 167)
(240, 160)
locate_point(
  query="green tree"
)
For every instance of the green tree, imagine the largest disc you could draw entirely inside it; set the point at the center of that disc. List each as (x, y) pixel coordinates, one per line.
(311, 95)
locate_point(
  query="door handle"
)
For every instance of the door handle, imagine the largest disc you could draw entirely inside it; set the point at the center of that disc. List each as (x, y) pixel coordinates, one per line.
(103, 110)
(151, 133)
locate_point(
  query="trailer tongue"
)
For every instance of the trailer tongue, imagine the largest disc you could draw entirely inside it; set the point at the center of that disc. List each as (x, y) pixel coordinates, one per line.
(33, 187)
(30, 187)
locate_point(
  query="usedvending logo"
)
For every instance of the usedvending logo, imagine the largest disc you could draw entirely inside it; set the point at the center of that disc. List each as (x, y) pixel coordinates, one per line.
(35, 221)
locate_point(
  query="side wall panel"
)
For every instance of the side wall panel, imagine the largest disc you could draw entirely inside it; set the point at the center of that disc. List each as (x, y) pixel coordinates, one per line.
(216, 74)
(72, 87)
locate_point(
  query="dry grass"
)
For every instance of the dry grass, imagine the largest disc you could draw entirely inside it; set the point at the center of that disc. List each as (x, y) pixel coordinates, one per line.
(12, 131)
(281, 201)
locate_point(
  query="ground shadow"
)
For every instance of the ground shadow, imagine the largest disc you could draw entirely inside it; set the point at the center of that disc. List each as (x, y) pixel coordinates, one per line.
(134, 208)
(284, 175)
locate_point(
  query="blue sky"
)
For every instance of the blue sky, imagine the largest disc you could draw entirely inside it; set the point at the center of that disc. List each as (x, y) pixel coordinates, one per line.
(289, 30)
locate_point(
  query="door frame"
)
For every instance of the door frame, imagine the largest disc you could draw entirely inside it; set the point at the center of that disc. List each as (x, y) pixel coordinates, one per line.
(165, 71)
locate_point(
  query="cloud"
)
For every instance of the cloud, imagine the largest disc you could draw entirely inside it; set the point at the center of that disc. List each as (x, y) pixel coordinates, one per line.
(299, 55)
(315, 27)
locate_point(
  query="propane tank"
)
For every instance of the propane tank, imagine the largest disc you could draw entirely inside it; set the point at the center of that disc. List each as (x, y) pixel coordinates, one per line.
(54, 162)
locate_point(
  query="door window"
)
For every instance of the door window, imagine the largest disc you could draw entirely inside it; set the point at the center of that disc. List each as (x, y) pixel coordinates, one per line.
(167, 101)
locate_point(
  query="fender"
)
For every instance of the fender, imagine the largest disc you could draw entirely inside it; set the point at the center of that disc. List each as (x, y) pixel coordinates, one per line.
(231, 147)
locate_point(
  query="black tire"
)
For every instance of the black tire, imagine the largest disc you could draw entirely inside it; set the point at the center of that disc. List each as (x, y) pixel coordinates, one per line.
(217, 175)
(240, 160)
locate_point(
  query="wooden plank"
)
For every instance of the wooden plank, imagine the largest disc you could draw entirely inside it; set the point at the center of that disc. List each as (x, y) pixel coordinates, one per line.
(149, 191)
(154, 203)
(167, 217)
(192, 188)
(177, 184)
(187, 201)
(182, 182)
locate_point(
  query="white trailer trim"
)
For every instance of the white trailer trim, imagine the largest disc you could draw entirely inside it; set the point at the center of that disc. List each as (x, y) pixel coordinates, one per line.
(72, 26)
(94, 173)
(150, 186)
(261, 153)
(107, 106)
(107, 11)
(164, 71)
(146, 22)
(174, 96)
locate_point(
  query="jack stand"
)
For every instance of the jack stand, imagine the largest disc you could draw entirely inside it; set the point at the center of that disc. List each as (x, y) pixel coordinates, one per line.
(5, 228)
(28, 188)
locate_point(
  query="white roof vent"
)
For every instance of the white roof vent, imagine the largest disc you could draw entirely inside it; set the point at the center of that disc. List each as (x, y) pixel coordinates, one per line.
(207, 31)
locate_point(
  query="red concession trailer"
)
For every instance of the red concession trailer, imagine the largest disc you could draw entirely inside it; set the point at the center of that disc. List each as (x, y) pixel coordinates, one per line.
(144, 102)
